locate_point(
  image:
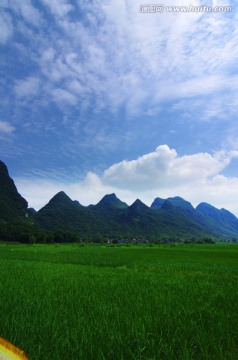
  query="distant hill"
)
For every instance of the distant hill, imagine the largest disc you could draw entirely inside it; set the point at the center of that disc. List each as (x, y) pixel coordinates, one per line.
(62, 213)
(166, 218)
(172, 218)
(12, 205)
(110, 202)
(221, 222)
(183, 206)
(157, 203)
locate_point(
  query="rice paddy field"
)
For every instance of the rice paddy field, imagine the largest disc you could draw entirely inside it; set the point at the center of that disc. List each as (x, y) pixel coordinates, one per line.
(98, 302)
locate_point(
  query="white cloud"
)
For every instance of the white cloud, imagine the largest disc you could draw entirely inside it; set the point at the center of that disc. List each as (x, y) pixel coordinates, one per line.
(27, 11)
(120, 57)
(110, 56)
(27, 87)
(23, 8)
(6, 27)
(38, 191)
(123, 57)
(231, 139)
(5, 127)
(164, 168)
(223, 106)
(63, 96)
(59, 8)
(162, 173)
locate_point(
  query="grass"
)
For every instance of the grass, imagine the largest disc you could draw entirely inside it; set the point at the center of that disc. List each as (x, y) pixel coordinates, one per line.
(102, 302)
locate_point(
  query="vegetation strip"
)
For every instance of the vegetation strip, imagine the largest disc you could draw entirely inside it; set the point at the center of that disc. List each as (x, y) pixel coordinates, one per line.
(120, 302)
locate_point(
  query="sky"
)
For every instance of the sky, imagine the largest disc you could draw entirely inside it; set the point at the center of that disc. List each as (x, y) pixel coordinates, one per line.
(99, 97)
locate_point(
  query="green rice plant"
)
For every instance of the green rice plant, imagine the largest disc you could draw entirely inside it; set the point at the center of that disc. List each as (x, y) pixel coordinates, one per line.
(98, 302)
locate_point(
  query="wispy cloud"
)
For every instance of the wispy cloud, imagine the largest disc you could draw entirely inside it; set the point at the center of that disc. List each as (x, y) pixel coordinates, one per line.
(6, 27)
(28, 87)
(6, 128)
(63, 96)
(59, 8)
(101, 76)
(24, 9)
(122, 58)
(28, 12)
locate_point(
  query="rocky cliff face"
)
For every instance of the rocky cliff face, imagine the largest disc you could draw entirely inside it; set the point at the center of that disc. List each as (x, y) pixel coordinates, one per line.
(12, 204)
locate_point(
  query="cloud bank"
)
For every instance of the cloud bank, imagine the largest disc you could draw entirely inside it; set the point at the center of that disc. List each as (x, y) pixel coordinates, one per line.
(162, 173)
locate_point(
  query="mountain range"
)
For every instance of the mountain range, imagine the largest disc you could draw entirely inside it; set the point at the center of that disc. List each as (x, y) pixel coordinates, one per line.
(173, 218)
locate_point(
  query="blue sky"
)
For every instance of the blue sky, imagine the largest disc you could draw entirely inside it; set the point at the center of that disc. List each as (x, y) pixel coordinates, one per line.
(97, 97)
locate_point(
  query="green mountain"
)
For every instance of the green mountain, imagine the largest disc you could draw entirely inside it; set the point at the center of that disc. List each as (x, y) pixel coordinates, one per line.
(157, 203)
(63, 219)
(12, 205)
(110, 202)
(114, 219)
(138, 220)
(110, 217)
(182, 205)
(62, 213)
(220, 222)
(15, 221)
